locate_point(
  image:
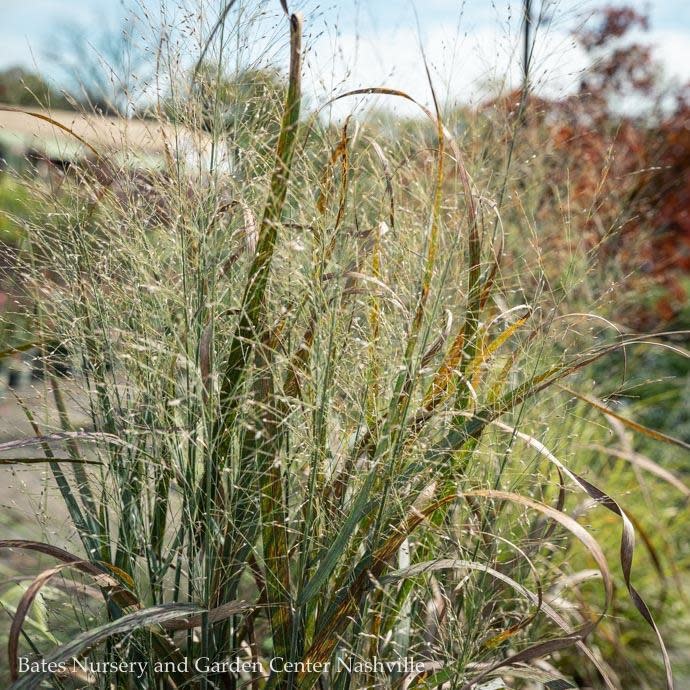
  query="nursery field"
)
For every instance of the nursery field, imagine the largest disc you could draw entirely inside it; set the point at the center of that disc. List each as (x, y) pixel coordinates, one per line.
(375, 401)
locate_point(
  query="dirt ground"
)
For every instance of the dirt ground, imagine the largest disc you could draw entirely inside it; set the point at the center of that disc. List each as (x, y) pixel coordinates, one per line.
(30, 506)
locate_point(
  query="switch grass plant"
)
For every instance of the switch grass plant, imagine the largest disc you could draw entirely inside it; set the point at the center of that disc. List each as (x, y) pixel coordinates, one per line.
(322, 387)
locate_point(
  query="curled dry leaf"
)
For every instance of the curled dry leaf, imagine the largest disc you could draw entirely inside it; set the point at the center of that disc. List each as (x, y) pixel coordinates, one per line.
(627, 548)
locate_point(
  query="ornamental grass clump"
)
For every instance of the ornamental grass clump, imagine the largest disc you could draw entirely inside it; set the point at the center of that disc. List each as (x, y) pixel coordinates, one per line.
(317, 378)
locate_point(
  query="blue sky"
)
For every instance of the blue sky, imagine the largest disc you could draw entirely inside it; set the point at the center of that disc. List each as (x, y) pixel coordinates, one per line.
(361, 42)
(35, 19)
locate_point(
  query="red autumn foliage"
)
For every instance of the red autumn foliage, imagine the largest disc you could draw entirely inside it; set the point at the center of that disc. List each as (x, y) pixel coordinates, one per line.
(614, 22)
(628, 175)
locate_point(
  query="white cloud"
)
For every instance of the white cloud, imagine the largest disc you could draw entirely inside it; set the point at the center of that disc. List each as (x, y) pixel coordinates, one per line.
(463, 67)
(672, 48)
